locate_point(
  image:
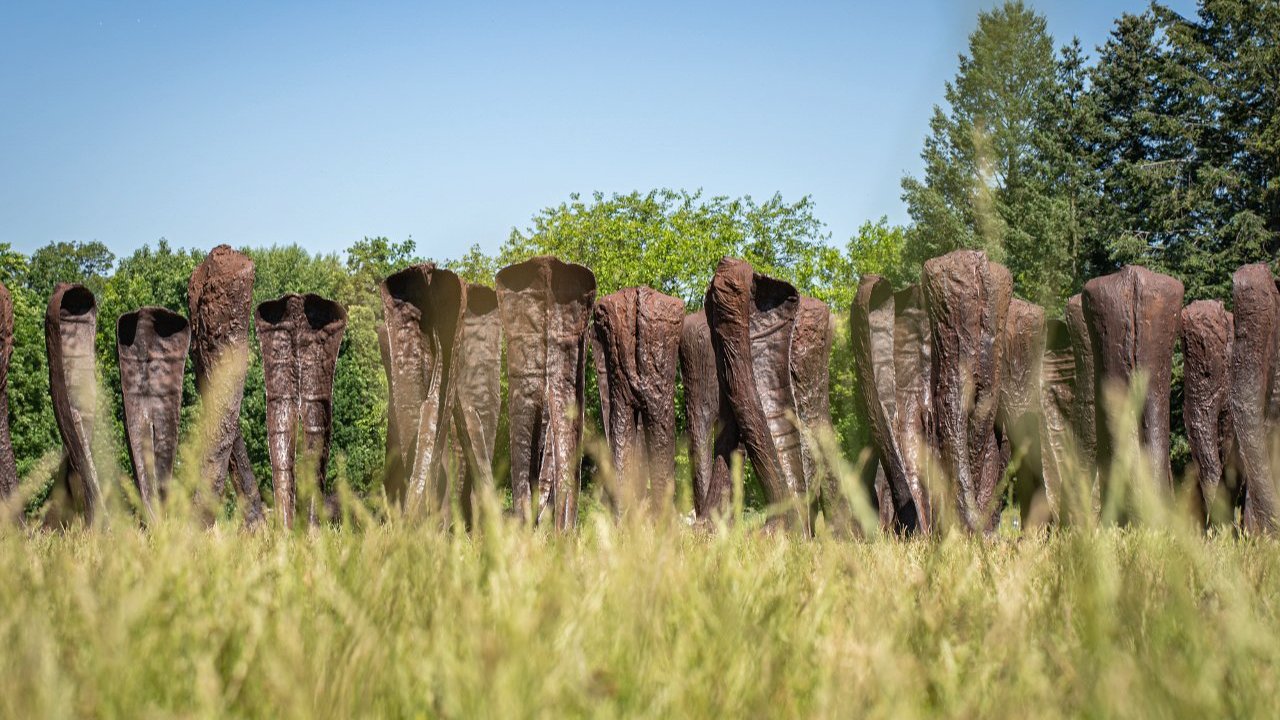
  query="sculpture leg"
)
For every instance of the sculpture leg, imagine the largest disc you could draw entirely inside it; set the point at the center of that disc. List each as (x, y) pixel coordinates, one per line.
(968, 301)
(1057, 399)
(751, 316)
(1133, 317)
(1256, 306)
(1206, 350)
(70, 327)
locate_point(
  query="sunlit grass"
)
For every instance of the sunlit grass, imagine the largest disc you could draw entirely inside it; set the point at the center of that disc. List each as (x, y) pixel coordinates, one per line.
(389, 616)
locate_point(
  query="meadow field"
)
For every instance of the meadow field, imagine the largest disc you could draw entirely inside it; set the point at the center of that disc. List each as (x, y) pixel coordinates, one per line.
(397, 619)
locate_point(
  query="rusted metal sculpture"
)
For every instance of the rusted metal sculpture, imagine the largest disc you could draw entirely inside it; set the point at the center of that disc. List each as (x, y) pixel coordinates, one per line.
(1018, 419)
(8, 466)
(300, 337)
(1207, 335)
(1133, 317)
(220, 299)
(151, 348)
(713, 432)
(70, 325)
(811, 341)
(478, 377)
(422, 307)
(968, 297)
(1084, 413)
(545, 307)
(636, 340)
(751, 317)
(913, 375)
(874, 329)
(1057, 407)
(1255, 392)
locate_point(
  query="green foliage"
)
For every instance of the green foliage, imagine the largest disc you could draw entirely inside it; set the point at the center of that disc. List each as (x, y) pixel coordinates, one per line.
(671, 241)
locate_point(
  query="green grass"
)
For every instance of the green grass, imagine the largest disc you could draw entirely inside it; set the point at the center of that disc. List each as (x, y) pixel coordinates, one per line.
(409, 621)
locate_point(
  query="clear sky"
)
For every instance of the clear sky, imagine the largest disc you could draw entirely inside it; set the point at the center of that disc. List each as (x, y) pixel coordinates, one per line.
(275, 123)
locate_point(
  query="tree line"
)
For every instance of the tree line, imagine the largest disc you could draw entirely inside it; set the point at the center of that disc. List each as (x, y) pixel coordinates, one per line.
(1162, 150)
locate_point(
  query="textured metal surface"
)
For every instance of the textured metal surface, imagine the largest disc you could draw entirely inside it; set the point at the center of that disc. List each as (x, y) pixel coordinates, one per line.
(151, 348)
(873, 328)
(636, 340)
(1254, 390)
(220, 300)
(545, 308)
(8, 465)
(1018, 420)
(968, 301)
(71, 322)
(713, 431)
(811, 342)
(300, 336)
(1133, 317)
(913, 378)
(1207, 334)
(1057, 403)
(422, 308)
(479, 393)
(751, 317)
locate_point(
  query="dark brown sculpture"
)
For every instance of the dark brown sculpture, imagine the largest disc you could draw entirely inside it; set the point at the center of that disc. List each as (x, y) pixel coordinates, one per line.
(1084, 413)
(635, 342)
(8, 466)
(713, 432)
(751, 317)
(811, 341)
(1207, 334)
(968, 296)
(545, 307)
(1057, 408)
(478, 378)
(422, 307)
(1133, 317)
(1018, 421)
(220, 299)
(151, 348)
(1254, 390)
(873, 326)
(300, 336)
(70, 325)
(913, 375)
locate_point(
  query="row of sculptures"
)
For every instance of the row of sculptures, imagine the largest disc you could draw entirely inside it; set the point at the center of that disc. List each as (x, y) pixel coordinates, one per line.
(956, 378)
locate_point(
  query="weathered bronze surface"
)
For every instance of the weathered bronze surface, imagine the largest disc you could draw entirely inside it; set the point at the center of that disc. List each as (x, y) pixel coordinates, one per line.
(1057, 407)
(151, 348)
(1018, 421)
(478, 374)
(545, 307)
(713, 432)
(220, 299)
(751, 317)
(300, 337)
(913, 375)
(873, 326)
(8, 466)
(1254, 390)
(1207, 335)
(968, 297)
(71, 323)
(1133, 317)
(811, 341)
(422, 308)
(636, 341)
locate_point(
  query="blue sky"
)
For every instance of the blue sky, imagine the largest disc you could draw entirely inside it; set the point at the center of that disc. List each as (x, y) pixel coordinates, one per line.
(317, 124)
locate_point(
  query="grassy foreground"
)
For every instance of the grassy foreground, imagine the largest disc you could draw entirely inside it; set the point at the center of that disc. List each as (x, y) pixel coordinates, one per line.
(406, 621)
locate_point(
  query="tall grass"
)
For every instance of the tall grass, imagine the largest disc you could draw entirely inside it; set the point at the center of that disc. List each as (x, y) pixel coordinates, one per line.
(398, 620)
(394, 618)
